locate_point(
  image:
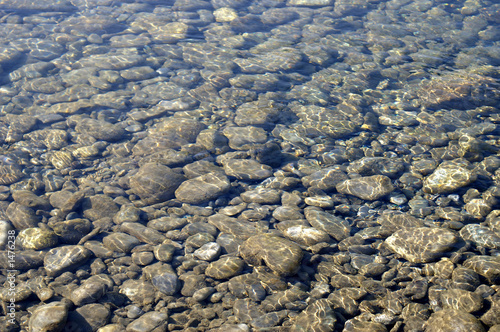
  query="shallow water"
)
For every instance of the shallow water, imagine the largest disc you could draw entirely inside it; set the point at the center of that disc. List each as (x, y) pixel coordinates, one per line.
(234, 165)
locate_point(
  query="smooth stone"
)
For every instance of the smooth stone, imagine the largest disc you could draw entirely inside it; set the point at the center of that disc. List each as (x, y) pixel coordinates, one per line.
(37, 238)
(480, 236)
(241, 229)
(120, 242)
(422, 244)
(318, 316)
(140, 292)
(243, 138)
(99, 206)
(150, 321)
(71, 231)
(67, 258)
(262, 196)
(100, 129)
(49, 317)
(487, 266)
(367, 166)
(225, 267)
(155, 183)
(449, 176)
(208, 252)
(335, 226)
(142, 233)
(280, 255)
(307, 236)
(22, 216)
(163, 278)
(449, 320)
(92, 290)
(461, 300)
(247, 169)
(25, 260)
(204, 188)
(369, 187)
(91, 316)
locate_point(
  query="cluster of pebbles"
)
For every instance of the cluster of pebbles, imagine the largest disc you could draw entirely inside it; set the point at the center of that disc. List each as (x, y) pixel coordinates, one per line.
(238, 165)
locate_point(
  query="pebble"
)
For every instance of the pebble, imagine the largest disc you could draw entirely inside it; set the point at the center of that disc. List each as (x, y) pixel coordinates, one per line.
(66, 258)
(203, 188)
(422, 244)
(452, 320)
(49, 317)
(368, 188)
(280, 255)
(449, 176)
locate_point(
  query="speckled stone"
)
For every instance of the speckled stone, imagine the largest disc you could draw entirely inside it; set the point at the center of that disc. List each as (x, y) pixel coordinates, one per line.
(449, 176)
(368, 187)
(279, 254)
(422, 244)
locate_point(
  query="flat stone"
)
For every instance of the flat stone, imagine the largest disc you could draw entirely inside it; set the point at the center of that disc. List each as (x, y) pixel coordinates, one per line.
(262, 196)
(204, 188)
(67, 258)
(335, 226)
(49, 317)
(225, 267)
(422, 244)
(481, 236)
(155, 182)
(369, 187)
(247, 169)
(449, 176)
(487, 266)
(449, 320)
(280, 255)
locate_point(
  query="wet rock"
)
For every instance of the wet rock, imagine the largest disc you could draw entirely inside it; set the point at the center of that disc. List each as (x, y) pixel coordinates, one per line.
(326, 179)
(140, 292)
(449, 176)
(368, 188)
(225, 267)
(335, 226)
(203, 188)
(99, 206)
(184, 128)
(150, 321)
(208, 251)
(318, 316)
(392, 221)
(247, 169)
(449, 320)
(357, 325)
(320, 121)
(284, 58)
(66, 258)
(480, 236)
(120, 242)
(91, 290)
(421, 244)
(37, 238)
(71, 231)
(163, 278)
(239, 228)
(461, 300)
(99, 129)
(155, 183)
(307, 236)
(90, 317)
(31, 200)
(262, 196)
(25, 260)
(280, 255)
(377, 165)
(49, 317)
(487, 266)
(142, 233)
(257, 113)
(22, 216)
(243, 138)
(309, 2)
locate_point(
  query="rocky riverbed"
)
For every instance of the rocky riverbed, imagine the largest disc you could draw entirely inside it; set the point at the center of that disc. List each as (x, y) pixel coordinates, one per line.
(239, 165)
